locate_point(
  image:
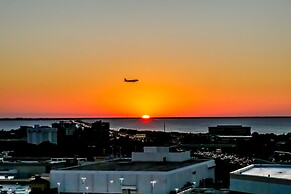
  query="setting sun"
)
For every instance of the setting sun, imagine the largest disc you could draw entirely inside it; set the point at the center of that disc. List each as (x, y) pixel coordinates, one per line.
(145, 117)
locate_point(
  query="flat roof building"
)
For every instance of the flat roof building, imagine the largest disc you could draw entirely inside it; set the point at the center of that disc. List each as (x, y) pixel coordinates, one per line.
(154, 171)
(24, 169)
(262, 178)
(236, 130)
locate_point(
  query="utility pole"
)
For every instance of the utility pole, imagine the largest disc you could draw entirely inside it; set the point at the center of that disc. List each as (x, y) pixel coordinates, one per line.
(164, 127)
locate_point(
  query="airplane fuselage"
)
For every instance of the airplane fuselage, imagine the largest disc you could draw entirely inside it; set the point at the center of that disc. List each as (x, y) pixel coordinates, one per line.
(130, 80)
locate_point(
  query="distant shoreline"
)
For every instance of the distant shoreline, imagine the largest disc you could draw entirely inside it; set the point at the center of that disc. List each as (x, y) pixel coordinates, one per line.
(81, 118)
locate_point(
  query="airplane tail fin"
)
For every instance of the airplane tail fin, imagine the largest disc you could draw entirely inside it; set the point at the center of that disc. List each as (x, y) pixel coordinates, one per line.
(125, 79)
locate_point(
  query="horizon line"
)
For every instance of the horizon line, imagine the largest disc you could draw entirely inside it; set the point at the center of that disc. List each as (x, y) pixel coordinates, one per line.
(161, 117)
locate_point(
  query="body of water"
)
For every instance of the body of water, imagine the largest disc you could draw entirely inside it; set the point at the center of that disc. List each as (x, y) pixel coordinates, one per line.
(276, 125)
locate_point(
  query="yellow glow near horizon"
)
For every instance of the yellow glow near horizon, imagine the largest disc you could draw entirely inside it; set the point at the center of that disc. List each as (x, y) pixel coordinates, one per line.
(145, 116)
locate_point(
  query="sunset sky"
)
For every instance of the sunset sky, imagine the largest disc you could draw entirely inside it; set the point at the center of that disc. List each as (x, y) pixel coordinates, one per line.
(192, 58)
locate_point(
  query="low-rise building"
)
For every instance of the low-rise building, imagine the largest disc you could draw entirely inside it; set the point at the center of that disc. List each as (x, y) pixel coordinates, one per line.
(32, 185)
(156, 171)
(25, 168)
(262, 178)
(15, 188)
(235, 130)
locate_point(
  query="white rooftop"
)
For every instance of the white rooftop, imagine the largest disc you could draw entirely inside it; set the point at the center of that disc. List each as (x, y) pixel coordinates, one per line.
(267, 170)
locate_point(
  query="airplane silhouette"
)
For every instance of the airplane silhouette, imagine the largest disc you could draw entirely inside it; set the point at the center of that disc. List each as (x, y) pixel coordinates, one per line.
(130, 80)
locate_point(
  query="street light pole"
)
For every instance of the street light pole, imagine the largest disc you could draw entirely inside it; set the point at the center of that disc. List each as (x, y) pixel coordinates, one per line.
(59, 187)
(121, 180)
(111, 182)
(83, 182)
(153, 182)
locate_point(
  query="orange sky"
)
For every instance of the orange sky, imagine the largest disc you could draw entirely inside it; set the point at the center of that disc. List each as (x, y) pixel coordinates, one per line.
(196, 58)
